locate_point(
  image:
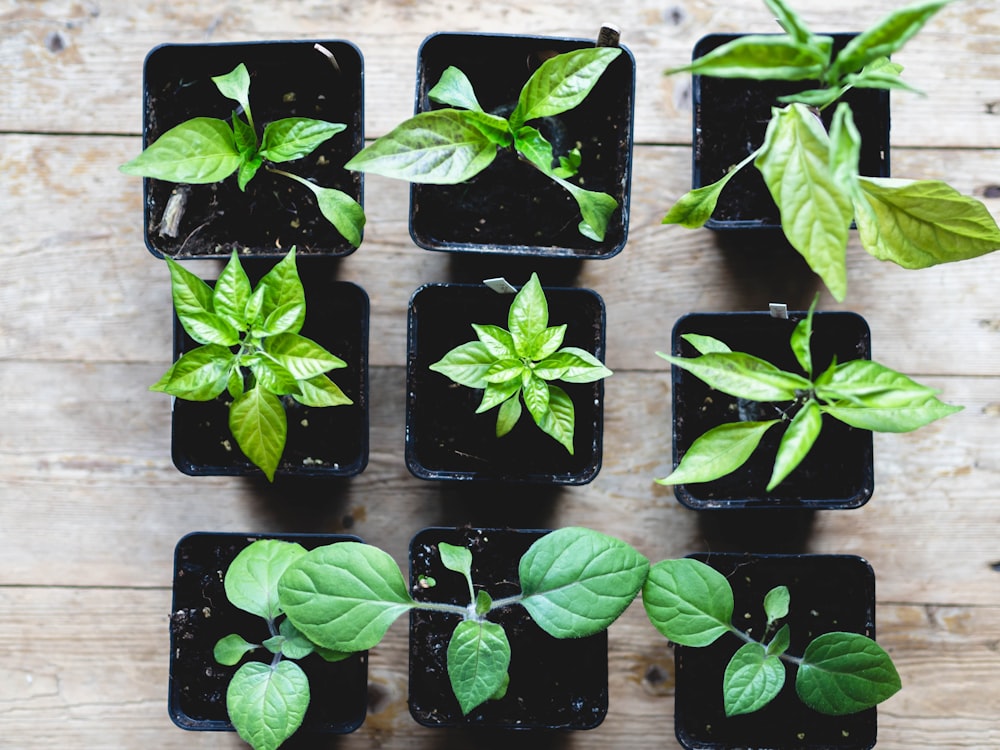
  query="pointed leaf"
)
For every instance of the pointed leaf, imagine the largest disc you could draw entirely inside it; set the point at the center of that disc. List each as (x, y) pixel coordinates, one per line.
(231, 293)
(321, 391)
(251, 581)
(742, 375)
(796, 443)
(548, 342)
(338, 208)
(688, 602)
(294, 137)
(790, 21)
(498, 341)
(572, 365)
(509, 413)
(801, 338)
(197, 152)
(478, 657)
(294, 644)
(561, 83)
(499, 393)
(466, 364)
(281, 286)
(199, 375)
(267, 703)
(455, 90)
(504, 371)
(455, 558)
(536, 397)
(719, 451)
(706, 344)
(761, 57)
(595, 208)
(781, 641)
(302, 357)
(257, 421)
(559, 418)
(752, 680)
(843, 673)
(235, 85)
(528, 317)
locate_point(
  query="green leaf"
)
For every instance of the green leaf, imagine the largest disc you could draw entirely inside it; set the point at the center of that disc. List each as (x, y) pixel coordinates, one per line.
(498, 341)
(762, 58)
(271, 376)
(742, 375)
(781, 641)
(815, 211)
(695, 207)
(752, 680)
(595, 208)
(281, 287)
(920, 224)
(302, 357)
(457, 559)
(267, 703)
(507, 416)
(466, 364)
(295, 137)
(229, 650)
(790, 21)
(455, 90)
(706, 344)
(344, 596)
(199, 375)
(484, 603)
(247, 171)
(287, 317)
(528, 317)
(572, 365)
(536, 397)
(845, 149)
(321, 391)
(776, 603)
(688, 602)
(443, 147)
(245, 139)
(533, 146)
(294, 644)
(842, 673)
(504, 371)
(577, 581)
(880, 74)
(569, 165)
(235, 85)
(193, 303)
(561, 83)
(338, 208)
(251, 581)
(559, 418)
(198, 151)
(478, 657)
(719, 451)
(796, 443)
(231, 293)
(498, 393)
(257, 421)
(801, 336)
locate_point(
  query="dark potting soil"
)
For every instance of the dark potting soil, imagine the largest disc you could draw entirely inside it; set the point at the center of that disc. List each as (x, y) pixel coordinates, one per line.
(446, 439)
(828, 593)
(328, 441)
(287, 79)
(730, 119)
(511, 207)
(554, 683)
(837, 473)
(202, 614)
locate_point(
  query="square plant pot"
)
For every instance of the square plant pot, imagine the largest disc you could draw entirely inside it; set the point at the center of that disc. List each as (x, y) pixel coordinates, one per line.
(446, 439)
(828, 593)
(837, 473)
(201, 615)
(511, 207)
(330, 441)
(554, 683)
(730, 118)
(287, 79)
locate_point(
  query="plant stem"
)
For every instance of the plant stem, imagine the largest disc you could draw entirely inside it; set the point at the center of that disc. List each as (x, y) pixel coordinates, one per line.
(796, 660)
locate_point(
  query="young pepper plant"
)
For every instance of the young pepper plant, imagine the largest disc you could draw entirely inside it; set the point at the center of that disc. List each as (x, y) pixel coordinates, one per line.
(250, 347)
(206, 149)
(451, 145)
(839, 673)
(861, 393)
(574, 583)
(523, 361)
(813, 174)
(266, 701)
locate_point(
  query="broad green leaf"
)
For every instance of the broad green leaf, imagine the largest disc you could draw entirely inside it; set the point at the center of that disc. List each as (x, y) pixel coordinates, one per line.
(498, 341)
(706, 344)
(776, 603)
(251, 581)
(344, 596)
(796, 443)
(273, 644)
(505, 371)
(528, 317)
(559, 418)
(294, 644)
(577, 581)
(457, 559)
(267, 703)
(229, 650)
(752, 680)
(287, 317)
(191, 296)
(815, 212)
(302, 357)
(478, 657)
(199, 375)
(466, 364)
(719, 451)
(280, 287)
(548, 341)
(442, 147)
(231, 293)
(561, 83)
(499, 393)
(595, 208)
(920, 411)
(842, 673)
(536, 397)
(294, 137)
(920, 224)
(272, 376)
(209, 328)
(762, 58)
(321, 391)
(257, 421)
(197, 152)
(572, 365)
(455, 90)
(533, 146)
(688, 602)
(742, 375)
(338, 208)
(235, 85)
(695, 207)
(508, 414)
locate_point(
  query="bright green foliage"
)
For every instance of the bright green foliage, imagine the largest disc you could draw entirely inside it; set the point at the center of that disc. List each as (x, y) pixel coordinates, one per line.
(207, 149)
(250, 347)
(691, 604)
(860, 393)
(452, 145)
(523, 361)
(813, 175)
(575, 582)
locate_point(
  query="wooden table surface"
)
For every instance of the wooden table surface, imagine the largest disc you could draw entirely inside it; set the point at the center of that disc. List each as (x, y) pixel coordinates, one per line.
(91, 506)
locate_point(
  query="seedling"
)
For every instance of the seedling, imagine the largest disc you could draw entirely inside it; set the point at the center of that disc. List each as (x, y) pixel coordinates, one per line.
(451, 145)
(207, 149)
(250, 348)
(839, 673)
(266, 701)
(574, 583)
(813, 175)
(523, 362)
(861, 393)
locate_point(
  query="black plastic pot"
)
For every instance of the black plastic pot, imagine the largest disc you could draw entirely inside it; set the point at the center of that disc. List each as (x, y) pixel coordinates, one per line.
(511, 208)
(554, 683)
(828, 593)
(287, 79)
(730, 118)
(322, 442)
(837, 473)
(446, 439)
(201, 615)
